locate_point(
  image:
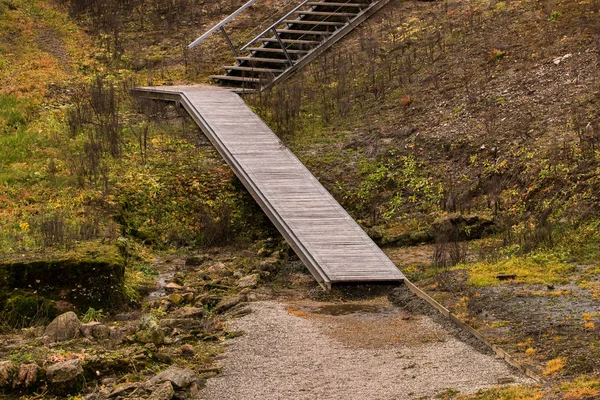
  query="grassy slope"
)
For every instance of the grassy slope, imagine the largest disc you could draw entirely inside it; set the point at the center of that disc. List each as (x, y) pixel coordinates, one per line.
(428, 110)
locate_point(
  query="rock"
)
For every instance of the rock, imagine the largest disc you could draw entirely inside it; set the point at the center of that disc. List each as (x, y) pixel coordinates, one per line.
(269, 265)
(558, 60)
(66, 376)
(264, 252)
(86, 329)
(230, 302)
(179, 377)
(124, 389)
(188, 312)
(206, 299)
(175, 298)
(163, 392)
(101, 332)
(7, 371)
(153, 334)
(182, 323)
(188, 297)
(216, 268)
(173, 287)
(248, 281)
(64, 327)
(505, 380)
(27, 376)
(150, 346)
(196, 261)
(187, 350)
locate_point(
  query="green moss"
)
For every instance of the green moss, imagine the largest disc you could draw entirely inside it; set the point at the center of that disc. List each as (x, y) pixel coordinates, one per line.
(24, 310)
(90, 280)
(537, 268)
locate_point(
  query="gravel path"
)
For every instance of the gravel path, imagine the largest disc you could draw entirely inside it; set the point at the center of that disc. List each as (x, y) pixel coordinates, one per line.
(290, 352)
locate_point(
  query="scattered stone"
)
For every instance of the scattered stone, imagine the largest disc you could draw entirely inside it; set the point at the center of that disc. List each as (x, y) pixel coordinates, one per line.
(33, 332)
(196, 261)
(124, 389)
(101, 332)
(248, 281)
(206, 299)
(264, 252)
(163, 392)
(173, 287)
(187, 351)
(175, 298)
(179, 377)
(66, 376)
(505, 380)
(188, 297)
(230, 302)
(64, 327)
(558, 60)
(7, 370)
(182, 323)
(27, 376)
(150, 346)
(86, 329)
(153, 334)
(216, 268)
(188, 312)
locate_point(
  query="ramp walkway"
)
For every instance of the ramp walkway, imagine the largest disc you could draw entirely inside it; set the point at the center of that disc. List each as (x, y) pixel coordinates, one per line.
(328, 241)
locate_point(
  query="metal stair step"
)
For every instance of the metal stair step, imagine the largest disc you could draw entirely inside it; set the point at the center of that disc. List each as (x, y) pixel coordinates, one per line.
(309, 22)
(235, 78)
(263, 60)
(328, 14)
(327, 4)
(276, 50)
(252, 69)
(300, 32)
(291, 41)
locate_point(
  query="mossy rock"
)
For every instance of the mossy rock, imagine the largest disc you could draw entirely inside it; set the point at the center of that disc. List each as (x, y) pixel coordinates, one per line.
(93, 280)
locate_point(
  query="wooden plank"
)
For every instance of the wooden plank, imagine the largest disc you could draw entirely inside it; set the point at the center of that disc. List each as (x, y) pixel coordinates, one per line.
(301, 32)
(329, 242)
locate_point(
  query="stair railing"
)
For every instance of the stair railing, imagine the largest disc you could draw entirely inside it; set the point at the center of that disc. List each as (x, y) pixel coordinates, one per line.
(279, 21)
(221, 27)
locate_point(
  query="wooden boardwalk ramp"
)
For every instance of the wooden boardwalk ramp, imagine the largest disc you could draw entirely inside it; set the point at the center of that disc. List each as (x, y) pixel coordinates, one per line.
(329, 242)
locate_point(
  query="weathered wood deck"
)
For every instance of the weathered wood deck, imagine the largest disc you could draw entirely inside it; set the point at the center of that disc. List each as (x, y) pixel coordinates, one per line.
(329, 242)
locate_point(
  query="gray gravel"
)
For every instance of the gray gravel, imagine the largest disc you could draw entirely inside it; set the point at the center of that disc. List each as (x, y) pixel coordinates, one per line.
(287, 355)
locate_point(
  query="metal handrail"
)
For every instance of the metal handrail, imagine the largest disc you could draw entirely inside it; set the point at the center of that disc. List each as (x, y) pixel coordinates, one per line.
(220, 25)
(280, 20)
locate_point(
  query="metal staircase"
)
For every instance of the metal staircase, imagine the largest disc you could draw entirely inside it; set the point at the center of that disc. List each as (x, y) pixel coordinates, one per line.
(291, 42)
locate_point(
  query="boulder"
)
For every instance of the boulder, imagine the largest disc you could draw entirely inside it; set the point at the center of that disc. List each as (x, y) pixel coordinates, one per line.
(188, 312)
(64, 327)
(65, 377)
(163, 392)
(248, 281)
(179, 377)
(8, 370)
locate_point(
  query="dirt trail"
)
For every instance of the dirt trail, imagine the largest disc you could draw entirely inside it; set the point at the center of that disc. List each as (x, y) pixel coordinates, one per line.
(363, 350)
